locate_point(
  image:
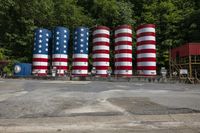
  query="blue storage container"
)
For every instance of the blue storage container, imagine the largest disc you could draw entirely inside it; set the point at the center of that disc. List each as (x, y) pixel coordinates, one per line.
(22, 69)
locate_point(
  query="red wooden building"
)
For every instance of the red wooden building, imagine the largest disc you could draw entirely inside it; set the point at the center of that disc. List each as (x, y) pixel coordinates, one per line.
(186, 57)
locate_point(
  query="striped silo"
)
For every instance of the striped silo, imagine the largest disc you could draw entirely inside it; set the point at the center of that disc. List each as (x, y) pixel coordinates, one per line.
(101, 50)
(41, 51)
(80, 52)
(60, 50)
(123, 50)
(146, 50)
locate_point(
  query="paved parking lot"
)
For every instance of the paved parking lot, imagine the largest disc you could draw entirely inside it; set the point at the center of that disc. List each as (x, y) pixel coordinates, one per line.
(92, 106)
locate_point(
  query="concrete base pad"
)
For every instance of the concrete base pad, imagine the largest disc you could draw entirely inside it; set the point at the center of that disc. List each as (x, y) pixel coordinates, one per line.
(181, 123)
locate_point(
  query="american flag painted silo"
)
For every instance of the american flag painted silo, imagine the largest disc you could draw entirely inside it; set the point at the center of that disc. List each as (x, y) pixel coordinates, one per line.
(101, 50)
(60, 50)
(41, 51)
(80, 52)
(123, 50)
(146, 50)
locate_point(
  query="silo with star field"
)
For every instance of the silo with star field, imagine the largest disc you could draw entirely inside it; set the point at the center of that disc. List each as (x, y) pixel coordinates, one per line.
(60, 50)
(41, 52)
(80, 52)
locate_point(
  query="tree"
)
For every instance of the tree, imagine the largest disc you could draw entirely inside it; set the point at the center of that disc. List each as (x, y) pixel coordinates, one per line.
(68, 13)
(168, 16)
(177, 21)
(20, 19)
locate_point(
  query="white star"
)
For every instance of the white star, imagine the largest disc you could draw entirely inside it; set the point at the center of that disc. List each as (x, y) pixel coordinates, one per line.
(46, 49)
(81, 40)
(34, 38)
(75, 48)
(57, 33)
(81, 51)
(34, 43)
(87, 49)
(40, 41)
(57, 38)
(40, 36)
(40, 31)
(40, 46)
(81, 45)
(75, 43)
(34, 49)
(82, 35)
(47, 44)
(87, 38)
(57, 48)
(76, 32)
(65, 31)
(87, 43)
(47, 34)
(65, 36)
(82, 29)
(47, 39)
(39, 51)
(64, 51)
(65, 41)
(75, 37)
(57, 43)
(87, 33)
(65, 46)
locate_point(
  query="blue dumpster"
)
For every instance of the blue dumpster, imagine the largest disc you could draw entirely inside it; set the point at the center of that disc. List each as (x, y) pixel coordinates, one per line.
(22, 69)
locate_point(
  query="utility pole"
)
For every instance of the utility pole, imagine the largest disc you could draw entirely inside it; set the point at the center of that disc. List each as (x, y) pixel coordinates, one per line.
(190, 66)
(170, 65)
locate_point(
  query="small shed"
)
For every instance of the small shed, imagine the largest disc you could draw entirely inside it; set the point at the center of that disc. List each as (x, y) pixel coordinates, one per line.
(186, 57)
(188, 49)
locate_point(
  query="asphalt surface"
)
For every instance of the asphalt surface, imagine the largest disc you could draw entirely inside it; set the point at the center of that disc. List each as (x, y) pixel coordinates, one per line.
(92, 106)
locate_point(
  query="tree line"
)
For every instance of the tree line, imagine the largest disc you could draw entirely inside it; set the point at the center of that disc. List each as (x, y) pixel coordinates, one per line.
(177, 21)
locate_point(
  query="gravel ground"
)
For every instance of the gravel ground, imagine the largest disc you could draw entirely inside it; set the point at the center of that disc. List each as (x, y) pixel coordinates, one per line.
(128, 104)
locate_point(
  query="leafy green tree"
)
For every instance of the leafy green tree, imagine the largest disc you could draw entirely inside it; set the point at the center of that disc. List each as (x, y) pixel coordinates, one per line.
(20, 18)
(68, 13)
(167, 15)
(177, 21)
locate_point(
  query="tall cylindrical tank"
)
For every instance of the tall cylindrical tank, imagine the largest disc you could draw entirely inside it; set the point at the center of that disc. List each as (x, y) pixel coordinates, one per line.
(101, 50)
(146, 50)
(80, 52)
(41, 51)
(22, 69)
(123, 50)
(60, 50)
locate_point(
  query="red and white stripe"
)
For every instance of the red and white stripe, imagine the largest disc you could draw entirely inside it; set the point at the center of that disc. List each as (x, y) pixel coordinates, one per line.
(40, 64)
(80, 65)
(146, 50)
(123, 50)
(60, 61)
(101, 50)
